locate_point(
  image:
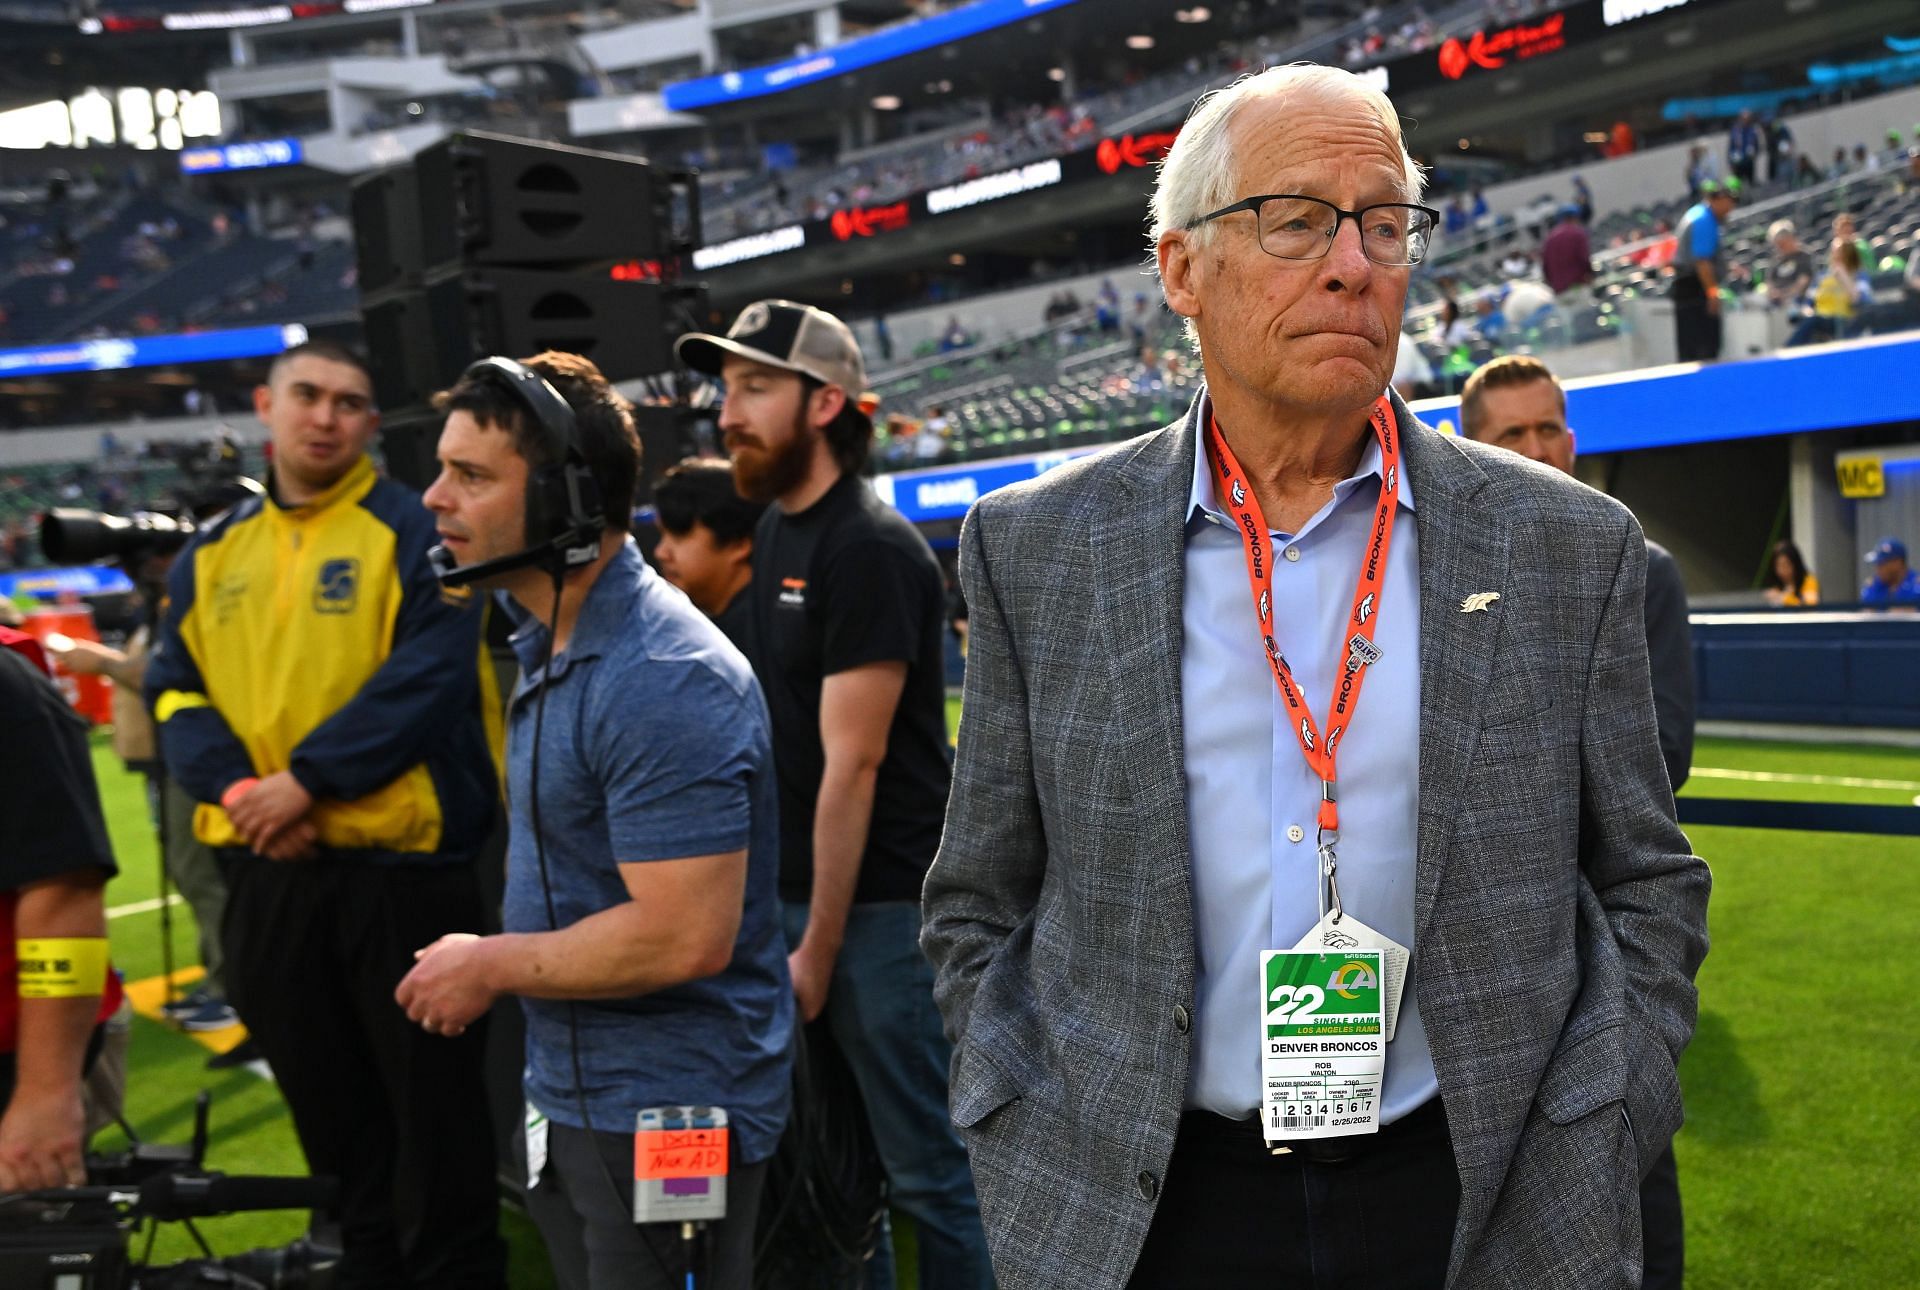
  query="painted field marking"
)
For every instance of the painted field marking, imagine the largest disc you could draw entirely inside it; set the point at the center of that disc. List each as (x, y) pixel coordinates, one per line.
(144, 906)
(1780, 777)
(149, 995)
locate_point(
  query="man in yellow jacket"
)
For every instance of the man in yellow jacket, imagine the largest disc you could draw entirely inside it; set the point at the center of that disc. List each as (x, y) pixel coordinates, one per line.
(317, 692)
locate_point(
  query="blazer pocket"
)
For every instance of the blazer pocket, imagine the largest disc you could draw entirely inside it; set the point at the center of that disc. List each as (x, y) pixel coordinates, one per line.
(1529, 705)
(1583, 1076)
(979, 1088)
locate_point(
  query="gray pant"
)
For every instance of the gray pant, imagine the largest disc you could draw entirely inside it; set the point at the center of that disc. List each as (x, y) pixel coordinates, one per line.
(196, 873)
(583, 1206)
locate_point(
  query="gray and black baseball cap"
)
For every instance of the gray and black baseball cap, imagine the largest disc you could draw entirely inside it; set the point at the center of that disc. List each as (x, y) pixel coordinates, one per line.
(787, 335)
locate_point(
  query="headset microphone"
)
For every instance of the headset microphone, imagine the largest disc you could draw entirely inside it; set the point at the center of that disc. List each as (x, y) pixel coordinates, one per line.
(564, 513)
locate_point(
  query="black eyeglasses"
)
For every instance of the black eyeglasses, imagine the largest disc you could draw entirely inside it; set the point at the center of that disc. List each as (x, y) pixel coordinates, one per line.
(1295, 227)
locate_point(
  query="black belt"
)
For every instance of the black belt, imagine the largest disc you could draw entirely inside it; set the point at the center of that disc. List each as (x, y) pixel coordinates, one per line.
(1426, 1122)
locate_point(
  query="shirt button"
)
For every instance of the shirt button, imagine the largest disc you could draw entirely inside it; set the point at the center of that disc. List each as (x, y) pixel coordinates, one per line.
(1293, 554)
(1182, 1019)
(1295, 833)
(1147, 1185)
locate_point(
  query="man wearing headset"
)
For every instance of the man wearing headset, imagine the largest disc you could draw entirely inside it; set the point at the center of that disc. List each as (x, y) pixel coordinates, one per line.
(317, 693)
(641, 914)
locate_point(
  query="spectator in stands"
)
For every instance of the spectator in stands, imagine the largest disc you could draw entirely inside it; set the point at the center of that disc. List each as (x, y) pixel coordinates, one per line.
(1910, 278)
(1455, 329)
(1698, 267)
(1790, 274)
(848, 619)
(1837, 299)
(1412, 372)
(1107, 307)
(706, 542)
(1583, 199)
(1148, 376)
(1566, 257)
(955, 336)
(1845, 229)
(1779, 151)
(1620, 140)
(1788, 581)
(1893, 581)
(344, 778)
(1745, 144)
(1701, 170)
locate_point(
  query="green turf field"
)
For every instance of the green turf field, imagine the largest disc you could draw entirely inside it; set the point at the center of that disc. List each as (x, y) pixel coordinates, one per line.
(1799, 1082)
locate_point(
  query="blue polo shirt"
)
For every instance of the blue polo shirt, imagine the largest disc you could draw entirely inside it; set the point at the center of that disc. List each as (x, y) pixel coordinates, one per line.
(654, 746)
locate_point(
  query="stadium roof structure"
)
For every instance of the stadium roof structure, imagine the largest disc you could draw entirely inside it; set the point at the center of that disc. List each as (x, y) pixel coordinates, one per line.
(980, 48)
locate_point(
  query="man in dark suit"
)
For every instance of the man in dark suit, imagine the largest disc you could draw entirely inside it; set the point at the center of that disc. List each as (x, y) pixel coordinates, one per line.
(1515, 402)
(1155, 801)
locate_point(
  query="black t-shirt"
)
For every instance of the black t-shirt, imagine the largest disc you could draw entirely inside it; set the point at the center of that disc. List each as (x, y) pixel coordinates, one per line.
(1793, 270)
(736, 621)
(49, 803)
(844, 583)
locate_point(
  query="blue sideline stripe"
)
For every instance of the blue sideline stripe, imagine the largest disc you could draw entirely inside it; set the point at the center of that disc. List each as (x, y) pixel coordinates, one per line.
(1815, 817)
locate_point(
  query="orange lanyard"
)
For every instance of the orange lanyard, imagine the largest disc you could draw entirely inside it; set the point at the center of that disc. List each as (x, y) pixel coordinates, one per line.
(1236, 494)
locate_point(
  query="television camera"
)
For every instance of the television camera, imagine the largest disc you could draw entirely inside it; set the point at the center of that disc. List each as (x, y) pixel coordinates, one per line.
(81, 1238)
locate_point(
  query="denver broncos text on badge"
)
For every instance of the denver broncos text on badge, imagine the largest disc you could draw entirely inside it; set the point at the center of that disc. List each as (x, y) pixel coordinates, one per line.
(793, 593)
(337, 590)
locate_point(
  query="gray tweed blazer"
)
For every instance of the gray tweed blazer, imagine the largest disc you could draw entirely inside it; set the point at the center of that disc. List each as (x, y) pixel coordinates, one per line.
(1560, 913)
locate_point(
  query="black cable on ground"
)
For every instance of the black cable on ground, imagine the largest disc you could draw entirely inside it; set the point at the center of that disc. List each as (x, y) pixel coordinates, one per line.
(826, 1192)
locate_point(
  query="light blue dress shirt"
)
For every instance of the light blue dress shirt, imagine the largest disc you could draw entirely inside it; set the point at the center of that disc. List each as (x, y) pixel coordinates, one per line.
(1251, 797)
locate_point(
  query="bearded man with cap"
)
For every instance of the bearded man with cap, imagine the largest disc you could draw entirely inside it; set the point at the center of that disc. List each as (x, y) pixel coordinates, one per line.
(848, 610)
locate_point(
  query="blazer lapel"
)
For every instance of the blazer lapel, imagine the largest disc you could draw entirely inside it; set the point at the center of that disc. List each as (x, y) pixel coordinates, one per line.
(1139, 558)
(1463, 550)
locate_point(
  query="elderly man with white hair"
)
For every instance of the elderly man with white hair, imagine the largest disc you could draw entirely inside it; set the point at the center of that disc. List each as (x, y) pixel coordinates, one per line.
(1256, 979)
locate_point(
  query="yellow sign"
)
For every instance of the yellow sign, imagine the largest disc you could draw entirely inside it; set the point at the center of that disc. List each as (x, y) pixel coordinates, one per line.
(1861, 476)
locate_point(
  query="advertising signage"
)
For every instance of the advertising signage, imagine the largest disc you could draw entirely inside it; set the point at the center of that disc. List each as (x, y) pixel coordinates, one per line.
(119, 352)
(1469, 57)
(1112, 156)
(256, 155)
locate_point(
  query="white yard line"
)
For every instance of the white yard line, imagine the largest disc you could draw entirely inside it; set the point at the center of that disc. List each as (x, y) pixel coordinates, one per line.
(1777, 777)
(144, 906)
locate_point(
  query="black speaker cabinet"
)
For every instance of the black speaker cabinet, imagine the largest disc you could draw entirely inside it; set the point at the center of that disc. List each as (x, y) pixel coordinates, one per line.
(386, 228)
(420, 339)
(409, 441)
(489, 200)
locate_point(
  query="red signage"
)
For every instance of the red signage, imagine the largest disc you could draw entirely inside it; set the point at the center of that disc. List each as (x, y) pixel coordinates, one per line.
(865, 221)
(1491, 50)
(637, 271)
(1133, 150)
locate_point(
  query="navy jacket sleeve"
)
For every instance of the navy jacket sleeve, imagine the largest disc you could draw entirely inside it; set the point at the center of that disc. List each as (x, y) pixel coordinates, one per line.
(1670, 655)
(200, 750)
(432, 672)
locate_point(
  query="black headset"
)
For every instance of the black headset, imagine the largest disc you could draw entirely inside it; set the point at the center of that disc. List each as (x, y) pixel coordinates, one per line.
(564, 512)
